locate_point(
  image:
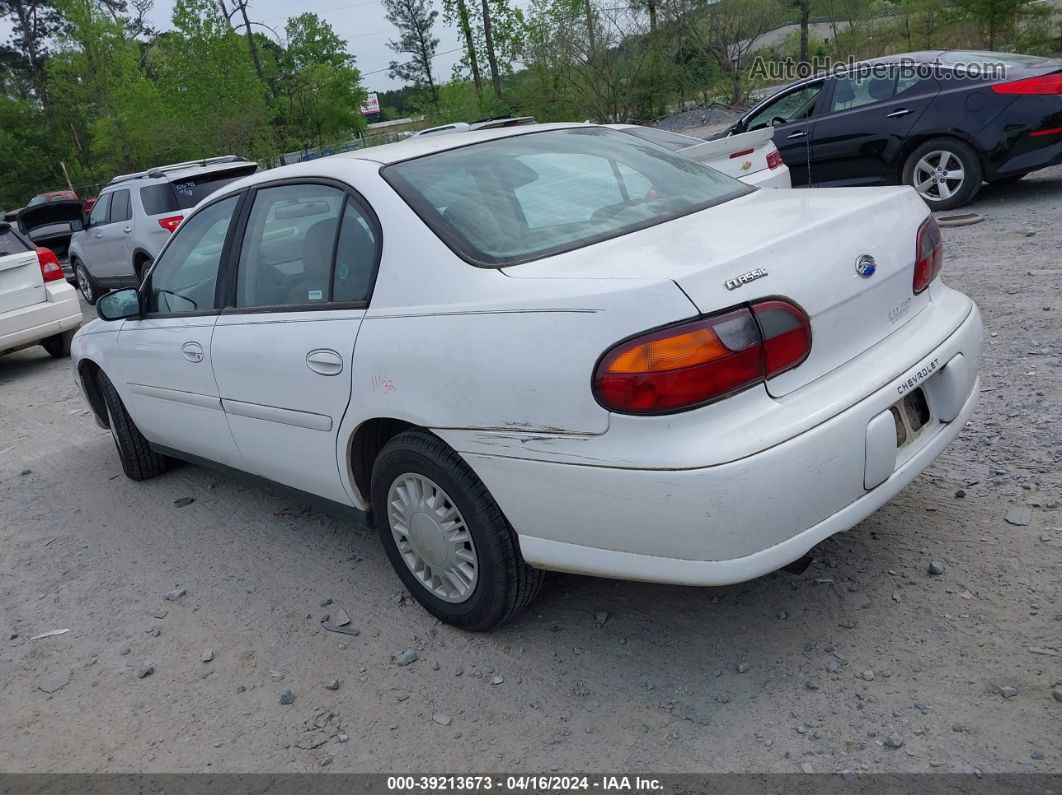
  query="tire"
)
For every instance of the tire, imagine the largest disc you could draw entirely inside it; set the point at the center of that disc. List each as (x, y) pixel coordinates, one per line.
(503, 584)
(90, 291)
(139, 461)
(59, 345)
(935, 159)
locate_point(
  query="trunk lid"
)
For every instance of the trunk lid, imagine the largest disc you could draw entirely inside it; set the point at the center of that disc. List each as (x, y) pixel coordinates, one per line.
(807, 242)
(737, 155)
(51, 225)
(21, 281)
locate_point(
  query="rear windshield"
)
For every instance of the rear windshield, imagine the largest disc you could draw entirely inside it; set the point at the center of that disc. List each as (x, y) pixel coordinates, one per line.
(183, 193)
(520, 198)
(10, 243)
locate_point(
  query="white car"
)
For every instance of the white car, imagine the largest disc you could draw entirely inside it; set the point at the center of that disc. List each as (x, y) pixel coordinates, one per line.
(37, 306)
(548, 348)
(751, 157)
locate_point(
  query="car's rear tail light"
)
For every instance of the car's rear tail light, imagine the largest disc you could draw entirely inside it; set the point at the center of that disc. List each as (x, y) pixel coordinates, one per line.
(693, 363)
(51, 270)
(1048, 131)
(742, 153)
(1045, 84)
(929, 254)
(786, 335)
(170, 224)
(774, 159)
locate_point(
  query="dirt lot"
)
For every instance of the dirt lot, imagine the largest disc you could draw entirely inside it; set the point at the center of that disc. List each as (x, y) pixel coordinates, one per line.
(864, 651)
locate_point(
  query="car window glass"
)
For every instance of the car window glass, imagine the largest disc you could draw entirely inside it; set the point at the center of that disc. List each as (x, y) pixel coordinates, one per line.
(861, 89)
(159, 199)
(287, 251)
(569, 188)
(183, 279)
(10, 243)
(120, 206)
(355, 256)
(794, 106)
(906, 81)
(99, 210)
(193, 188)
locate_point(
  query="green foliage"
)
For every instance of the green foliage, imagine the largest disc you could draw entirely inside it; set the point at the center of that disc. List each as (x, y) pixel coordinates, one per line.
(29, 152)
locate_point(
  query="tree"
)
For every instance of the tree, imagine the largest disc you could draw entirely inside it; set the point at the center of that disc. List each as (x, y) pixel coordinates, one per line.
(731, 33)
(33, 24)
(457, 11)
(414, 20)
(994, 16)
(803, 8)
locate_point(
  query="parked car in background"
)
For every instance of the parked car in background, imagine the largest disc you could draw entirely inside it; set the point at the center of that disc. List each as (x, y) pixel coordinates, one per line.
(751, 157)
(939, 126)
(134, 216)
(52, 225)
(52, 196)
(37, 306)
(483, 124)
(549, 347)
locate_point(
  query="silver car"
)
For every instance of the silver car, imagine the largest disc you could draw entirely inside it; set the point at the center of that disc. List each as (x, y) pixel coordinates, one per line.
(135, 215)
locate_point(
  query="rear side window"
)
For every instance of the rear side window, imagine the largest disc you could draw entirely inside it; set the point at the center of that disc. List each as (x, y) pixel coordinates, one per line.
(859, 90)
(159, 199)
(191, 190)
(305, 245)
(10, 243)
(120, 206)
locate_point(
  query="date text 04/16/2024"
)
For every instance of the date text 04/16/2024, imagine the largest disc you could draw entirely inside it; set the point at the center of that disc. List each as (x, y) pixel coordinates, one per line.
(522, 783)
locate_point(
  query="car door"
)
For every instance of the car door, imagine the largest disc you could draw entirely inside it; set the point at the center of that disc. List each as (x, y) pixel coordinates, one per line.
(282, 350)
(792, 114)
(94, 242)
(164, 357)
(868, 116)
(119, 234)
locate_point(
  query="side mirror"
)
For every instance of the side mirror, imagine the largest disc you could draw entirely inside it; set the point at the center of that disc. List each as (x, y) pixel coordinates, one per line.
(119, 305)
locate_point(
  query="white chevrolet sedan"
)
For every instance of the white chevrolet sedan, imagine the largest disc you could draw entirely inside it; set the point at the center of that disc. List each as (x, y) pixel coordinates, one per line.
(549, 348)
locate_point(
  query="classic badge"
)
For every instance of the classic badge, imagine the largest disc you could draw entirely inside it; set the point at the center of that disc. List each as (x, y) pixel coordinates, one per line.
(745, 278)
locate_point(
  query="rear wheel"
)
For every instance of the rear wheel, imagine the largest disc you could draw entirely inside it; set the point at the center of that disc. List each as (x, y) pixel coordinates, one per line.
(446, 537)
(59, 345)
(85, 283)
(139, 461)
(945, 172)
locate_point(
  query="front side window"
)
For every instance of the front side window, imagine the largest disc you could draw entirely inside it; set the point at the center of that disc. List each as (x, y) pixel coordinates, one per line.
(794, 106)
(186, 273)
(516, 199)
(120, 206)
(98, 216)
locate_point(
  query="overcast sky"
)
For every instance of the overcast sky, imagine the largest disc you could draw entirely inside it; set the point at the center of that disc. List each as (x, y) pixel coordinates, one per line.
(360, 22)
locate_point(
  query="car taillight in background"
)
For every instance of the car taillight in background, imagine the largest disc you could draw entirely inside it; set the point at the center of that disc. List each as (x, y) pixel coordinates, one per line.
(929, 254)
(170, 224)
(774, 159)
(1045, 84)
(51, 270)
(693, 363)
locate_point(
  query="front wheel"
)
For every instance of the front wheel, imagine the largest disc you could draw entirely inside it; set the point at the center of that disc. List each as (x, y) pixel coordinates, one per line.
(945, 172)
(139, 461)
(446, 537)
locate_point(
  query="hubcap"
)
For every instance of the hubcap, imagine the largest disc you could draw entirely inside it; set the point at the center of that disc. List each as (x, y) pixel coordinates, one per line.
(432, 537)
(938, 176)
(83, 283)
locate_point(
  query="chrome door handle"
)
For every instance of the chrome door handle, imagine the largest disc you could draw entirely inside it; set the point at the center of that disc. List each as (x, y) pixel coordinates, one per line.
(324, 361)
(128, 229)
(897, 113)
(99, 234)
(798, 134)
(192, 351)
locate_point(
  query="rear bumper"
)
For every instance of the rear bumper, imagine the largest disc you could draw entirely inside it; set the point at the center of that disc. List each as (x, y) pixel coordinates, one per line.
(30, 324)
(735, 521)
(770, 178)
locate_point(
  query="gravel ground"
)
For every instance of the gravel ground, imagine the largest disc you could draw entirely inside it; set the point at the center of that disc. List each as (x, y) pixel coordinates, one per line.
(865, 662)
